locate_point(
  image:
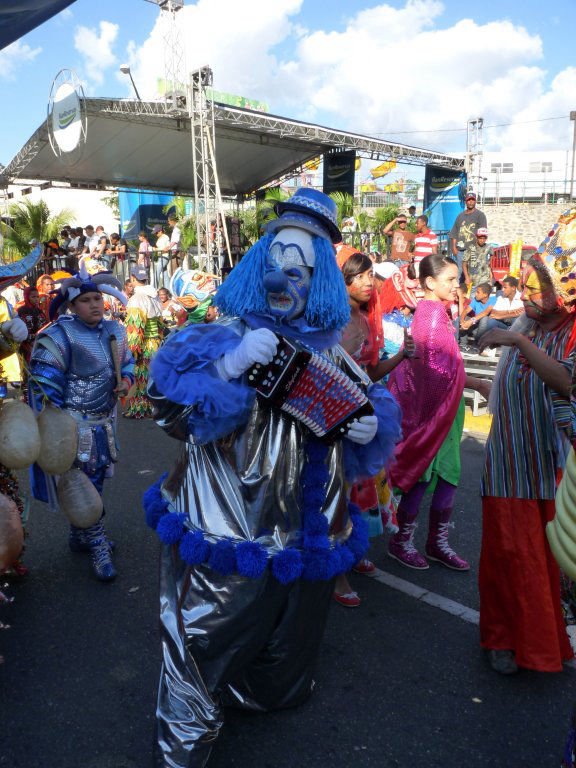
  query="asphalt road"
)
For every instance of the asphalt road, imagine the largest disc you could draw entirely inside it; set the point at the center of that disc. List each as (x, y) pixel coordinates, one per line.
(400, 684)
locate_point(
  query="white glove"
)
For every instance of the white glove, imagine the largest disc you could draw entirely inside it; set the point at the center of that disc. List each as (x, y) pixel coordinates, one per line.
(15, 329)
(363, 429)
(257, 346)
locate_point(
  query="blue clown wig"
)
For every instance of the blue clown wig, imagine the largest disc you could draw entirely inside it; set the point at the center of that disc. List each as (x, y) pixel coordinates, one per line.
(327, 307)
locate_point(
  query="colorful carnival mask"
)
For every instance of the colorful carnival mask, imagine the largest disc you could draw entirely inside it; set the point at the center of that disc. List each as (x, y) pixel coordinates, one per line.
(558, 254)
(539, 294)
(288, 274)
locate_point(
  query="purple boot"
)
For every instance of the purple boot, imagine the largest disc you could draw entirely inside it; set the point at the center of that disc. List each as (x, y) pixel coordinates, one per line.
(437, 546)
(401, 548)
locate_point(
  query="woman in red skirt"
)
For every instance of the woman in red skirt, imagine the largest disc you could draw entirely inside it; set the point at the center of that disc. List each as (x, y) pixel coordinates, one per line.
(521, 622)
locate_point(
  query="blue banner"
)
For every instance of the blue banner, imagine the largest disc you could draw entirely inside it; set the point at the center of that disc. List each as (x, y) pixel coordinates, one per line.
(444, 196)
(141, 210)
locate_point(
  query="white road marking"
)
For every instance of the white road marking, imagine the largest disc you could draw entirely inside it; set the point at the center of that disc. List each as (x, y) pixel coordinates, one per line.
(445, 604)
(430, 598)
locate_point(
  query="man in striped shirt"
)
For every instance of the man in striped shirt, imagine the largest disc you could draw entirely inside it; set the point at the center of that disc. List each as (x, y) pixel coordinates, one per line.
(425, 242)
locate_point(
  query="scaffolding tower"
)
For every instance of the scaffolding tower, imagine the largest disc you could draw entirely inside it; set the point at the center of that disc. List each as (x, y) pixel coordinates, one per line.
(211, 233)
(181, 97)
(474, 152)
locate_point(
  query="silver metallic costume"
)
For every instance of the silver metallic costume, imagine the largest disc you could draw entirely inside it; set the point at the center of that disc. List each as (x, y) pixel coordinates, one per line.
(73, 364)
(83, 354)
(231, 640)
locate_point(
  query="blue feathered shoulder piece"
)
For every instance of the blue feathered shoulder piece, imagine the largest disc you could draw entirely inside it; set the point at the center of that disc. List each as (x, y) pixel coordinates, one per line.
(184, 372)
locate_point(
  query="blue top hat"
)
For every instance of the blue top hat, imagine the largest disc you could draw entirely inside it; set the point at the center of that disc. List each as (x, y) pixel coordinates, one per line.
(308, 209)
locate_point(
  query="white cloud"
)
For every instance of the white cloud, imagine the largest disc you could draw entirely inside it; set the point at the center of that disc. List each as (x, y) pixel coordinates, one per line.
(13, 56)
(386, 69)
(235, 39)
(95, 46)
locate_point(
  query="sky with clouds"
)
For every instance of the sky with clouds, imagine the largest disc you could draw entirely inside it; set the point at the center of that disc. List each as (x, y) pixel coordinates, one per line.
(411, 70)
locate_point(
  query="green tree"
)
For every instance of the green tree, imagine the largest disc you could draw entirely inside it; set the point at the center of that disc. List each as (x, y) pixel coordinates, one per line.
(383, 216)
(31, 221)
(113, 203)
(254, 218)
(344, 204)
(186, 221)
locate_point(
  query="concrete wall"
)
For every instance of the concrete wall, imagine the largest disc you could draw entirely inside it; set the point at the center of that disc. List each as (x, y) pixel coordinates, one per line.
(529, 222)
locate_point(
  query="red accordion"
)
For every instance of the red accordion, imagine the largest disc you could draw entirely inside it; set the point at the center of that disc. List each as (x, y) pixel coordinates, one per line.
(311, 389)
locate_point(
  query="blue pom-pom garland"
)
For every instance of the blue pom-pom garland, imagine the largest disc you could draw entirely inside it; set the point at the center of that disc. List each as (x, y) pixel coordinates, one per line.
(287, 566)
(318, 560)
(223, 557)
(154, 503)
(252, 559)
(170, 528)
(194, 549)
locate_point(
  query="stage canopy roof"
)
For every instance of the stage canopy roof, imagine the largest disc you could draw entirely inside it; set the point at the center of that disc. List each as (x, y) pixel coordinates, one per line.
(138, 144)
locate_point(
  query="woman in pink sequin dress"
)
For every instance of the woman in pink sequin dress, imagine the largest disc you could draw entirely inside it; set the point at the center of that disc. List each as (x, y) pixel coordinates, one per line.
(429, 389)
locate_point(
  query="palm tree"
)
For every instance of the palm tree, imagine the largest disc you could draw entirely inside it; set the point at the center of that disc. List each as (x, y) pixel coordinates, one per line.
(383, 216)
(254, 218)
(344, 204)
(186, 221)
(31, 221)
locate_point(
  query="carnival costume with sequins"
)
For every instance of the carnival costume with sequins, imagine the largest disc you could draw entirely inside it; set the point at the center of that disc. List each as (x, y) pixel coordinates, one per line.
(254, 517)
(145, 330)
(72, 366)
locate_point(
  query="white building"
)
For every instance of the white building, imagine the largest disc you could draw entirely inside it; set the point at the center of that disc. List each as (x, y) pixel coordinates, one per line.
(509, 176)
(86, 205)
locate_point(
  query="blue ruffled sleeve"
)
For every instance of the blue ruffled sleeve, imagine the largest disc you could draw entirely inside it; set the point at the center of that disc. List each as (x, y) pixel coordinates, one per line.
(363, 461)
(184, 372)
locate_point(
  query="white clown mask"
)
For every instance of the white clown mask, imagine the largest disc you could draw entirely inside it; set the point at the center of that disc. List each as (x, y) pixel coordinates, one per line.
(288, 274)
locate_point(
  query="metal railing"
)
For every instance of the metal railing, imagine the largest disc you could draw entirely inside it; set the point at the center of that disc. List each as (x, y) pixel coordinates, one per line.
(501, 191)
(367, 241)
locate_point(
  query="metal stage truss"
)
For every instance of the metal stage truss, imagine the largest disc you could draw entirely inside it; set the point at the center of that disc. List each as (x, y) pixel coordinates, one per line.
(135, 143)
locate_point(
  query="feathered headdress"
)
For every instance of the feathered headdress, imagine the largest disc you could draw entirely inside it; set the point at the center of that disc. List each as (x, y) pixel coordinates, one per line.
(72, 287)
(558, 254)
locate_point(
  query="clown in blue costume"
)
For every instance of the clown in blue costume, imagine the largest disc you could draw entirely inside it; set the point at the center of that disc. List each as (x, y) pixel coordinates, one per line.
(72, 366)
(254, 516)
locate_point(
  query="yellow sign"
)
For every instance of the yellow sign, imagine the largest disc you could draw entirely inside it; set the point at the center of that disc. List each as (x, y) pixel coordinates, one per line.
(382, 170)
(313, 165)
(515, 259)
(357, 163)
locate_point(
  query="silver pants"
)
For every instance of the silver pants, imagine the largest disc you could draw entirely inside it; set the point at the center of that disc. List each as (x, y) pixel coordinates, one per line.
(230, 641)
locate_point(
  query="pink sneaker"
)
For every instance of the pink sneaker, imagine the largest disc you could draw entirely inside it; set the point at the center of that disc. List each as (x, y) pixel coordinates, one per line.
(438, 549)
(401, 548)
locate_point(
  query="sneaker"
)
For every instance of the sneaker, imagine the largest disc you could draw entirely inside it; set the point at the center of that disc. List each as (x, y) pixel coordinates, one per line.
(365, 567)
(401, 548)
(348, 600)
(78, 541)
(100, 550)
(102, 563)
(439, 550)
(503, 662)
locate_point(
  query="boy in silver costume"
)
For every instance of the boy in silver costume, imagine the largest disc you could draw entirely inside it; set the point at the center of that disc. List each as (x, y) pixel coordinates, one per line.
(72, 365)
